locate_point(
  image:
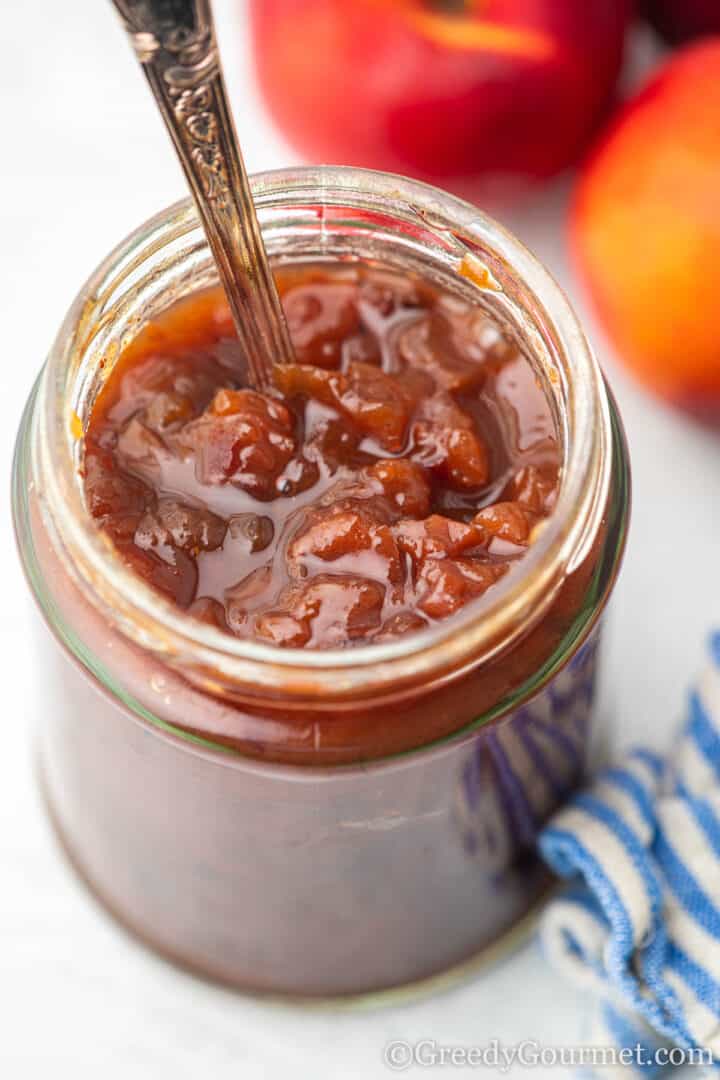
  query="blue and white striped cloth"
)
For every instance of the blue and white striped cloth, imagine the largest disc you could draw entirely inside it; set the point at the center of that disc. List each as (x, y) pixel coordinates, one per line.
(639, 922)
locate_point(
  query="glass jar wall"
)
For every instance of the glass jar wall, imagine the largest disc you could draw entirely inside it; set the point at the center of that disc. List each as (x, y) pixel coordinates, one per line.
(318, 823)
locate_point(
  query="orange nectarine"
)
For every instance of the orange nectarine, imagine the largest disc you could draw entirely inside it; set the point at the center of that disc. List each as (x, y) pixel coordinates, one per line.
(645, 231)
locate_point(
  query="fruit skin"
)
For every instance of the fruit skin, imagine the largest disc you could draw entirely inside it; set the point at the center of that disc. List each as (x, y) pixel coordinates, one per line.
(483, 101)
(645, 231)
(681, 20)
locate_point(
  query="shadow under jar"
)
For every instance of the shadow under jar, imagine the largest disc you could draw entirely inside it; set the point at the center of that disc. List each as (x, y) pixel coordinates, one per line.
(322, 822)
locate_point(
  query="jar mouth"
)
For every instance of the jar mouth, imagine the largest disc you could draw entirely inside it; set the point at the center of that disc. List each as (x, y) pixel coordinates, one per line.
(314, 203)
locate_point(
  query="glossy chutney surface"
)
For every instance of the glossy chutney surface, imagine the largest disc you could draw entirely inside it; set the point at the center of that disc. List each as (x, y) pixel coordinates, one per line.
(392, 475)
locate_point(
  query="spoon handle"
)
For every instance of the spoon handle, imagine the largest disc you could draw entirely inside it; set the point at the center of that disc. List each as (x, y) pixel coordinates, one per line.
(174, 40)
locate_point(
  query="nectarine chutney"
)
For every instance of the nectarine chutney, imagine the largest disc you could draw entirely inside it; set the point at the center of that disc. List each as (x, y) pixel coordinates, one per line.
(322, 659)
(392, 475)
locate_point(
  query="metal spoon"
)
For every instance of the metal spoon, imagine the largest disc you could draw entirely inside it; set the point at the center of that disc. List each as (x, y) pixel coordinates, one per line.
(174, 40)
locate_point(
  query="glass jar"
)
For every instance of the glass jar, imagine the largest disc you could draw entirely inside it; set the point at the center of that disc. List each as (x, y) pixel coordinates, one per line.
(317, 823)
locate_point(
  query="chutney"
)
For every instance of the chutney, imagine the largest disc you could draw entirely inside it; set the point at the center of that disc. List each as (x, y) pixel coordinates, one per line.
(392, 474)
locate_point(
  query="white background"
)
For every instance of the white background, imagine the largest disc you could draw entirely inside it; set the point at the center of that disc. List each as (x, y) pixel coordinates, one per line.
(84, 159)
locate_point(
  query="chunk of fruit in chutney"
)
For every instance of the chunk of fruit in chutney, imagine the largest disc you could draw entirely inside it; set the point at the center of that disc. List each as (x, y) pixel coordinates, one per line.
(535, 487)
(326, 611)
(507, 521)
(243, 437)
(320, 321)
(445, 585)
(427, 344)
(446, 441)
(172, 524)
(172, 572)
(350, 540)
(405, 483)
(437, 536)
(377, 404)
(387, 480)
(115, 499)
(255, 529)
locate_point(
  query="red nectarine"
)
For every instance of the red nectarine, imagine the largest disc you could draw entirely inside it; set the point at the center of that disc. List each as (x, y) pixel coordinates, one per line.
(646, 231)
(478, 96)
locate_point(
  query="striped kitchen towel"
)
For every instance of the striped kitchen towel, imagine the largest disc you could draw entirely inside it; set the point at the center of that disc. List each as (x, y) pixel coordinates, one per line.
(639, 923)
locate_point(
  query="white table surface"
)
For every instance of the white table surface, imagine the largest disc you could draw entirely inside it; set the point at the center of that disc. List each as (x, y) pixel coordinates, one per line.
(84, 160)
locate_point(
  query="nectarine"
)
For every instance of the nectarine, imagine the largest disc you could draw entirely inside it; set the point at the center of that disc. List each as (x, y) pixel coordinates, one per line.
(646, 230)
(479, 96)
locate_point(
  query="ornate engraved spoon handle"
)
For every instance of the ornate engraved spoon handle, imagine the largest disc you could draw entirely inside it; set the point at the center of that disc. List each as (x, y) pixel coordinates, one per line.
(174, 40)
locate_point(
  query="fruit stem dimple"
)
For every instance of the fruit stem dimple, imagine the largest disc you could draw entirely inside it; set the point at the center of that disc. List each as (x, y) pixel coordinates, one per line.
(451, 7)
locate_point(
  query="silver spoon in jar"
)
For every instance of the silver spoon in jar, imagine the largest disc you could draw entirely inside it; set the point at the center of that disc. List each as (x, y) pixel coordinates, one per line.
(174, 40)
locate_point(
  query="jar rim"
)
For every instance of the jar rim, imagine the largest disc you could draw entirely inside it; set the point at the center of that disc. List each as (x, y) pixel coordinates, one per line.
(428, 657)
